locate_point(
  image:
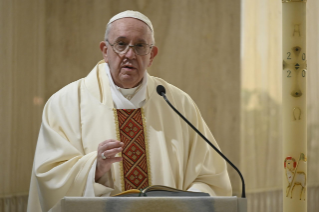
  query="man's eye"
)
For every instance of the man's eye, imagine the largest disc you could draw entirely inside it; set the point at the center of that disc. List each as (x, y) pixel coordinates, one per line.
(121, 44)
(140, 45)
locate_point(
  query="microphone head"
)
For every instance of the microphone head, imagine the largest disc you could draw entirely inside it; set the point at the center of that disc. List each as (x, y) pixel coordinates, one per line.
(160, 90)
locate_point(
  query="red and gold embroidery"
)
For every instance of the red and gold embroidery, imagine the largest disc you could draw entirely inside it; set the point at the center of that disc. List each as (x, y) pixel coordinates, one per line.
(135, 170)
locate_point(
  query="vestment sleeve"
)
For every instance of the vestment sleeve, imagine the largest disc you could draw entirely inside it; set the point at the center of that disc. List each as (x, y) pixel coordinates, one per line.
(103, 187)
(61, 166)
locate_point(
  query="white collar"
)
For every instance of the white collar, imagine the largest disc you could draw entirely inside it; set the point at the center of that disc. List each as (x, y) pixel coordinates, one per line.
(128, 92)
(120, 102)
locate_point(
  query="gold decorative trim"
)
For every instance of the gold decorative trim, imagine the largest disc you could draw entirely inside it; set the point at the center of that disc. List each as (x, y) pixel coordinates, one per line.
(119, 139)
(288, 1)
(146, 137)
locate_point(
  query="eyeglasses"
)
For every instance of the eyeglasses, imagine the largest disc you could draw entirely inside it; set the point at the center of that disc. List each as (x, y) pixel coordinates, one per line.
(122, 47)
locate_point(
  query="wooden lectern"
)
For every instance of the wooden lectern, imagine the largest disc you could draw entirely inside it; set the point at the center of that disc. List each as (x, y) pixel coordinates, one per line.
(140, 204)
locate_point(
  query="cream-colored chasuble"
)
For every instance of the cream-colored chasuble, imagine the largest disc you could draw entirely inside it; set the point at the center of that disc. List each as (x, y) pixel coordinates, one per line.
(81, 115)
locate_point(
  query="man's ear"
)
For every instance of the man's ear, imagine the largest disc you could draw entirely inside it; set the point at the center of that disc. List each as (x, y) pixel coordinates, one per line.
(103, 48)
(153, 54)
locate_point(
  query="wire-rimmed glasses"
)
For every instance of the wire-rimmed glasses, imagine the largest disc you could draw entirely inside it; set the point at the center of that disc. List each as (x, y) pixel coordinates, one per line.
(122, 47)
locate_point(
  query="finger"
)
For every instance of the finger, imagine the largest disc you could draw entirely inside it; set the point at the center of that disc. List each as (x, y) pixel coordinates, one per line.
(110, 145)
(103, 143)
(107, 141)
(112, 152)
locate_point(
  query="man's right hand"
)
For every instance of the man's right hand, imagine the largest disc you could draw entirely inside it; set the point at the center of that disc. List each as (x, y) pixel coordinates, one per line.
(109, 148)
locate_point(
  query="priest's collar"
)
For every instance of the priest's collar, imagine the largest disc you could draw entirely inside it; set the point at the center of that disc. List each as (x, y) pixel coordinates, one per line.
(131, 98)
(128, 92)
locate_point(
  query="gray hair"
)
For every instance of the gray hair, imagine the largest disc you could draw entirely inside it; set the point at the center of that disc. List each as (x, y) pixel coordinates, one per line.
(108, 29)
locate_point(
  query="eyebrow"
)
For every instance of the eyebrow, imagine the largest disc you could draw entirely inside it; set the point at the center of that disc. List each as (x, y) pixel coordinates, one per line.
(123, 37)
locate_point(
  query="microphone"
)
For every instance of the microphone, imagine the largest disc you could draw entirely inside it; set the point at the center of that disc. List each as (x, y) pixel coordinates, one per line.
(161, 91)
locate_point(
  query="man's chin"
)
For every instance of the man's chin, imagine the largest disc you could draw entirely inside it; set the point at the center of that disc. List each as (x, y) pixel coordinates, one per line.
(129, 82)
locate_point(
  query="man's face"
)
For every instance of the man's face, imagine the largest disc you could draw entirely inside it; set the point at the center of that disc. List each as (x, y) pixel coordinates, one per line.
(128, 69)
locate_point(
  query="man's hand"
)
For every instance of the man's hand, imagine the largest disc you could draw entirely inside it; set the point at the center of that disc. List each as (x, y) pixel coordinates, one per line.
(109, 148)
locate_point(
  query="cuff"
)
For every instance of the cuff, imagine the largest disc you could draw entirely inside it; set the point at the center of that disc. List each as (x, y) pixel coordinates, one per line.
(103, 187)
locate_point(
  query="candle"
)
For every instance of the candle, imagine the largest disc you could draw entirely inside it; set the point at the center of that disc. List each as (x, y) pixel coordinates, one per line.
(294, 108)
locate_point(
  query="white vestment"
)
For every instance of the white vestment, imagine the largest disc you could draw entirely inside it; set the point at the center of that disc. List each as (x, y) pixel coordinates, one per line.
(81, 115)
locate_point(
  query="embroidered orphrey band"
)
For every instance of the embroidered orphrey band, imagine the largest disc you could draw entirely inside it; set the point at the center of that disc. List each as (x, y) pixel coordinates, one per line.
(135, 170)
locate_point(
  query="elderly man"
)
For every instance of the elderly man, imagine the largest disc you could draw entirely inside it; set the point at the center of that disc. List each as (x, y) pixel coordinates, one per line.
(110, 131)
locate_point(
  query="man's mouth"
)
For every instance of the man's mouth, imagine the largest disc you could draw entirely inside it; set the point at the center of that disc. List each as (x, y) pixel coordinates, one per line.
(128, 67)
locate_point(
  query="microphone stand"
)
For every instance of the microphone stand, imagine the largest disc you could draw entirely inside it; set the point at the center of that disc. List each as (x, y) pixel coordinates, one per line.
(243, 194)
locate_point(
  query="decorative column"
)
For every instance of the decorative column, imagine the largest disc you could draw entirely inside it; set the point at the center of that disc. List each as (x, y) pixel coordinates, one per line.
(294, 107)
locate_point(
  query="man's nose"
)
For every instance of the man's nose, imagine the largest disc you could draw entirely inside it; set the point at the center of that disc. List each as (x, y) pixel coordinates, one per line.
(130, 53)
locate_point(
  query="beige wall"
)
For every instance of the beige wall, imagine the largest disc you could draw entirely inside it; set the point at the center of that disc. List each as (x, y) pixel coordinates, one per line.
(47, 44)
(21, 91)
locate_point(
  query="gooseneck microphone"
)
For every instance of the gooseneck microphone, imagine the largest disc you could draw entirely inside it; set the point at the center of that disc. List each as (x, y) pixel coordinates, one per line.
(161, 91)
